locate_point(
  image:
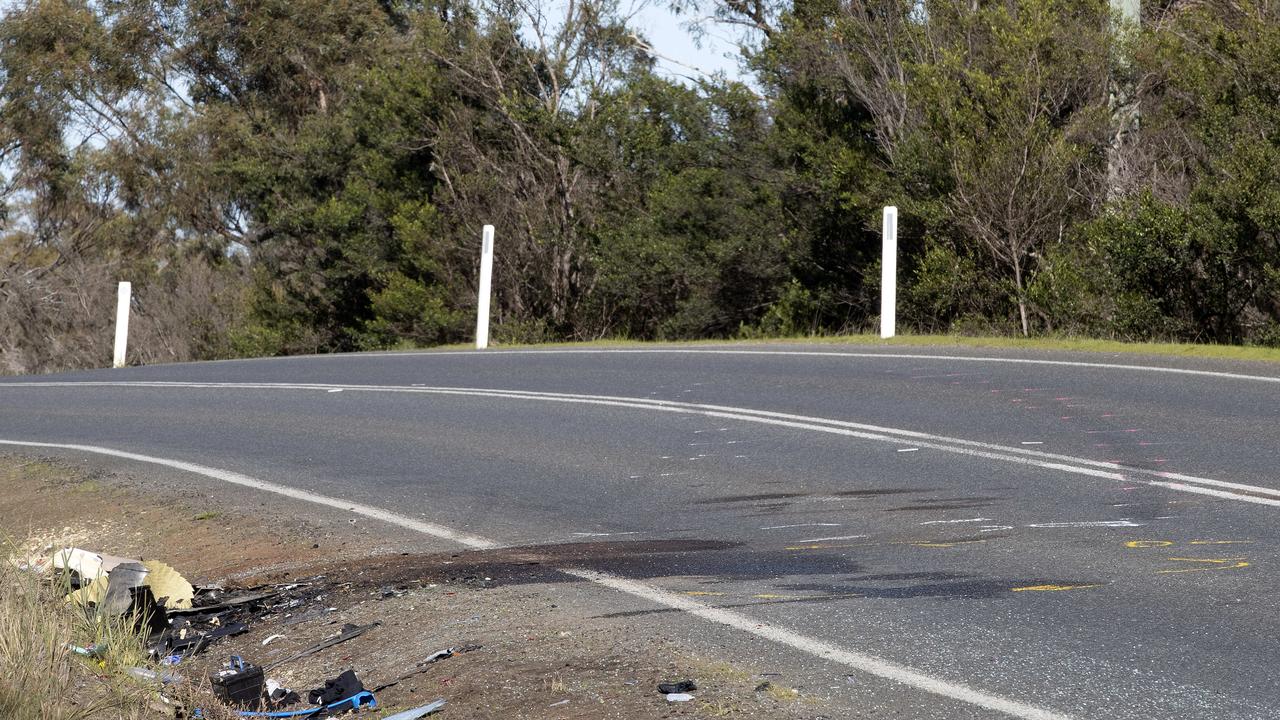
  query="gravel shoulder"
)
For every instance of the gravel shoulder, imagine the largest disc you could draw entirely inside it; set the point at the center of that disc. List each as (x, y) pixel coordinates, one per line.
(548, 647)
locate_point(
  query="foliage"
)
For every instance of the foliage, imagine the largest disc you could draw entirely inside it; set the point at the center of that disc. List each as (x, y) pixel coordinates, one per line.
(312, 176)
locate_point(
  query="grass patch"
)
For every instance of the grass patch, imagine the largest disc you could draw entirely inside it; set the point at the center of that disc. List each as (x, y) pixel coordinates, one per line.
(41, 678)
(208, 515)
(1066, 344)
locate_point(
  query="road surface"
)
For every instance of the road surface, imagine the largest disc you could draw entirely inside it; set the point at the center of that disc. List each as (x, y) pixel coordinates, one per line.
(919, 533)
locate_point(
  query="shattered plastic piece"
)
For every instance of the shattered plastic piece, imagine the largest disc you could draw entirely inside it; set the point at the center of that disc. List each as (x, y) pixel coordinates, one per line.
(280, 696)
(345, 685)
(349, 632)
(111, 590)
(558, 704)
(151, 675)
(424, 665)
(271, 638)
(423, 711)
(355, 702)
(86, 565)
(683, 686)
(167, 585)
(679, 697)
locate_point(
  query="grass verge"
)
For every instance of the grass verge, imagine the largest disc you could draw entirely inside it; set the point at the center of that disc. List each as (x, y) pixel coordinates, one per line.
(1062, 344)
(41, 678)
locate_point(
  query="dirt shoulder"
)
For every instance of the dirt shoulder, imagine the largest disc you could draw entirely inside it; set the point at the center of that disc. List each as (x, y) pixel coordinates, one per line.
(546, 647)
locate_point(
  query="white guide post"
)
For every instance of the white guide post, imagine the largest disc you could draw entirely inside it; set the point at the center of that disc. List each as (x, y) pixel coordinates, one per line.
(486, 280)
(889, 274)
(123, 293)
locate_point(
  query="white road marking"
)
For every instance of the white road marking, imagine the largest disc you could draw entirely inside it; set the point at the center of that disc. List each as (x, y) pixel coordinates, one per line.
(836, 537)
(949, 522)
(1088, 524)
(908, 449)
(819, 354)
(990, 451)
(818, 648)
(781, 527)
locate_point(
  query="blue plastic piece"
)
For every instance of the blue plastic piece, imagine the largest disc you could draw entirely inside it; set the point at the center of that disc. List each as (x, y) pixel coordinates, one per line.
(361, 699)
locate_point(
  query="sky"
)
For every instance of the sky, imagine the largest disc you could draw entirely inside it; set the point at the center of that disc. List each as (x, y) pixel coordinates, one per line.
(715, 52)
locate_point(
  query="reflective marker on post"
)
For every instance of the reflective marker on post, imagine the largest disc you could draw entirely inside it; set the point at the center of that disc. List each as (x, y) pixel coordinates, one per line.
(486, 276)
(123, 293)
(889, 274)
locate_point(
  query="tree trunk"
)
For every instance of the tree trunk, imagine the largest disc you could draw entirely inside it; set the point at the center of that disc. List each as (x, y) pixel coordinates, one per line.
(1022, 297)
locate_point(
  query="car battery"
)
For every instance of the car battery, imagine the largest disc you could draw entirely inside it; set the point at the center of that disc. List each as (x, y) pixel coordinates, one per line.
(240, 683)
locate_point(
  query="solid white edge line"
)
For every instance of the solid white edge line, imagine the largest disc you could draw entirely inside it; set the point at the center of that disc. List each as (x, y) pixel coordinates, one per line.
(1254, 494)
(819, 353)
(426, 528)
(823, 650)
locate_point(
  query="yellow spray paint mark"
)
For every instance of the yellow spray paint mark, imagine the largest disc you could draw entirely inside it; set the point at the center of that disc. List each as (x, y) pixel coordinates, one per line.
(1215, 563)
(1148, 543)
(770, 596)
(702, 593)
(1052, 588)
(807, 547)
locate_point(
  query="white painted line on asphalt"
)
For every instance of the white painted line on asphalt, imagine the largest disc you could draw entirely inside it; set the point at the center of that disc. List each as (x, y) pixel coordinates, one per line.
(1088, 524)
(819, 648)
(1052, 461)
(426, 528)
(950, 522)
(836, 537)
(836, 355)
(859, 661)
(780, 527)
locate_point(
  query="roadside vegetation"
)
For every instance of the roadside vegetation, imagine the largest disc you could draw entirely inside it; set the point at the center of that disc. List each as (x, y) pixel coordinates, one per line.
(41, 678)
(312, 176)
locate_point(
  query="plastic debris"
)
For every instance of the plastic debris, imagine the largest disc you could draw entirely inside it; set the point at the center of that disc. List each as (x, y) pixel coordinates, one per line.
(361, 699)
(268, 640)
(153, 676)
(348, 632)
(423, 711)
(679, 697)
(424, 665)
(110, 590)
(345, 685)
(683, 686)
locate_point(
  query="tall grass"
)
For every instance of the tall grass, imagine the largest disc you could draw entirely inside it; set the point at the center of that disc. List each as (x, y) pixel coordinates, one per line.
(41, 678)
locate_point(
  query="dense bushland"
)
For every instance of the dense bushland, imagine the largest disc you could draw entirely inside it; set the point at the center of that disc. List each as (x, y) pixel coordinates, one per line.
(289, 176)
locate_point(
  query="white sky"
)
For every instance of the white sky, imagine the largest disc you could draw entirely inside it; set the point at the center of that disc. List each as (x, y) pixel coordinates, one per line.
(715, 52)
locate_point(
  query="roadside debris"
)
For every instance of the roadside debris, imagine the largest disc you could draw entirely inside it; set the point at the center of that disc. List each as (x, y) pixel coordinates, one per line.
(348, 632)
(239, 683)
(424, 665)
(683, 686)
(679, 697)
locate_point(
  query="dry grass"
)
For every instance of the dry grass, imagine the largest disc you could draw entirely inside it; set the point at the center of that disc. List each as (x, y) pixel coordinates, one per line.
(41, 678)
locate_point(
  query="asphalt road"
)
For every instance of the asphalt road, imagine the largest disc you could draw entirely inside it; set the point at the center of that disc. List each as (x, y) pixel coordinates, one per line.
(1062, 537)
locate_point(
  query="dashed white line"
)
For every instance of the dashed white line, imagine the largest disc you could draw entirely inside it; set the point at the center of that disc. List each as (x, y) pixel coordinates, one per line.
(783, 527)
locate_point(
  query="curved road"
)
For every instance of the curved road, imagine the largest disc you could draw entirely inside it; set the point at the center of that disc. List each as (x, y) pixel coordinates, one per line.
(936, 533)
